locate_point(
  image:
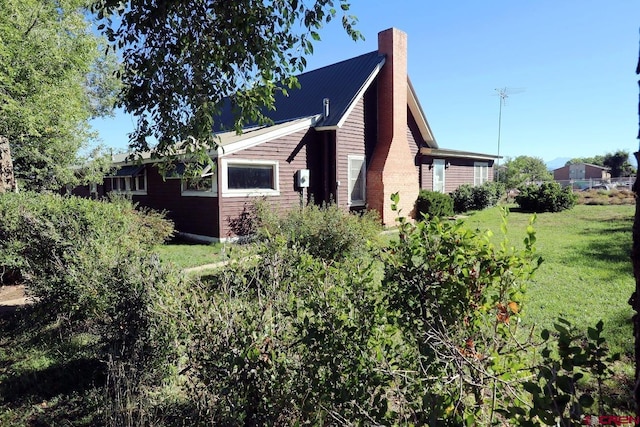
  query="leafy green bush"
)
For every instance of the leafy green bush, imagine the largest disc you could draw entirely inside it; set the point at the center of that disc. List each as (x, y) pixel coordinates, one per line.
(546, 197)
(457, 300)
(288, 335)
(327, 232)
(431, 204)
(467, 197)
(69, 250)
(463, 198)
(555, 391)
(89, 266)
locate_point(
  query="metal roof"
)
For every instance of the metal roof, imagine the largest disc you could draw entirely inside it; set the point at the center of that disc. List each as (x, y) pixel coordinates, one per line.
(340, 83)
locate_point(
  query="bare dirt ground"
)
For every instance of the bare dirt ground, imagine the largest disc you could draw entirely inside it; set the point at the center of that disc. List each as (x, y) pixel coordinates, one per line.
(11, 297)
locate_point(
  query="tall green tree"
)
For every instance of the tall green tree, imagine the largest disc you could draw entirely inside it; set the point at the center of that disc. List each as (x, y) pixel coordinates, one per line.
(53, 79)
(618, 163)
(181, 59)
(522, 169)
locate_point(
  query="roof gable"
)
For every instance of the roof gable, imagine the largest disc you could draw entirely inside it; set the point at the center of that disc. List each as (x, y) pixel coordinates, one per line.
(342, 83)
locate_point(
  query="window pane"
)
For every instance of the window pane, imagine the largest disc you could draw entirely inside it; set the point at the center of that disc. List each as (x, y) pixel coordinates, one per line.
(140, 183)
(246, 177)
(199, 184)
(356, 180)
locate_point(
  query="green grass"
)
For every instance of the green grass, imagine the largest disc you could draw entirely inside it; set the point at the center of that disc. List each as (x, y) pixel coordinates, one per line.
(185, 255)
(586, 275)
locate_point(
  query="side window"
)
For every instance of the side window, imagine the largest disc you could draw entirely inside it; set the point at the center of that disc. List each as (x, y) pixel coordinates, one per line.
(480, 173)
(357, 180)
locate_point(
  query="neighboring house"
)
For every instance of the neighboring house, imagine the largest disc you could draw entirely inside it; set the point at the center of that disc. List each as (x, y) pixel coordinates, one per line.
(353, 134)
(581, 171)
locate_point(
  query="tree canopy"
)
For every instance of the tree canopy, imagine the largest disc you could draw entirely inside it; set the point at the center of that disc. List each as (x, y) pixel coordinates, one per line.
(182, 59)
(522, 169)
(617, 162)
(53, 79)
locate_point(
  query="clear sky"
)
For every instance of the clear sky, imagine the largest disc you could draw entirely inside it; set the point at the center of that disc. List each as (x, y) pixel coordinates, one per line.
(572, 60)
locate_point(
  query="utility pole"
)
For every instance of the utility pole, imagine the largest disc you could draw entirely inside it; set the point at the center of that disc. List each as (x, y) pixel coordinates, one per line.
(503, 94)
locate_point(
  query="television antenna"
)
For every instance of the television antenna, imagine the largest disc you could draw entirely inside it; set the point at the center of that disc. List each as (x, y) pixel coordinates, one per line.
(503, 93)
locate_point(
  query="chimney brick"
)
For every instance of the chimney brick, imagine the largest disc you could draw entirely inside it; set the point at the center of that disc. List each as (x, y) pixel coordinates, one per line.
(392, 167)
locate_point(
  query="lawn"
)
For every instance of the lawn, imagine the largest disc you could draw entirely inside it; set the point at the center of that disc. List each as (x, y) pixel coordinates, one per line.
(184, 254)
(586, 274)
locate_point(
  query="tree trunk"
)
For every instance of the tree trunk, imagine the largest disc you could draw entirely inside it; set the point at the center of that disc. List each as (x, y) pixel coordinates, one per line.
(7, 180)
(635, 260)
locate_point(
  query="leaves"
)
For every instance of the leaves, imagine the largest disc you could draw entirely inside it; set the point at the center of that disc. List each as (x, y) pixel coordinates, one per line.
(182, 60)
(51, 84)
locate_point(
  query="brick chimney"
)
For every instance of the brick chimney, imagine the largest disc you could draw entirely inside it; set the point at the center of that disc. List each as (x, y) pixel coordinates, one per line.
(392, 168)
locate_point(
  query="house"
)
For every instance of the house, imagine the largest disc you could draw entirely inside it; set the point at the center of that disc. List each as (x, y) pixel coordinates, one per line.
(581, 171)
(353, 134)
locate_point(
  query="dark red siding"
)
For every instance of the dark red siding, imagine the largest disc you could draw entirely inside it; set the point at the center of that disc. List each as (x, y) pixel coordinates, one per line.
(291, 154)
(194, 215)
(350, 141)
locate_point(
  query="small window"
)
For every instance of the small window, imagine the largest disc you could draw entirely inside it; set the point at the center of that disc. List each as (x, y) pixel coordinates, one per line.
(250, 177)
(130, 179)
(480, 173)
(205, 185)
(357, 181)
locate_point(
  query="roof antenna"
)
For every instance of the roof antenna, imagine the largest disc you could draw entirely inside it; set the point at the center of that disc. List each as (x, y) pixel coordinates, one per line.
(325, 107)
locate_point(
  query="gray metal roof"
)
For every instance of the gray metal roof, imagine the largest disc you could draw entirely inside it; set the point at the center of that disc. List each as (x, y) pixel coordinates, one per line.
(339, 82)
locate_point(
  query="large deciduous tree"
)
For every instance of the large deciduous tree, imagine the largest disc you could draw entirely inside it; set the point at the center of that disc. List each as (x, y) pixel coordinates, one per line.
(182, 59)
(53, 79)
(524, 169)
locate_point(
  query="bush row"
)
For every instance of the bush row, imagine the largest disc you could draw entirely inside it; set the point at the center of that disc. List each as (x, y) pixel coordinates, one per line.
(431, 204)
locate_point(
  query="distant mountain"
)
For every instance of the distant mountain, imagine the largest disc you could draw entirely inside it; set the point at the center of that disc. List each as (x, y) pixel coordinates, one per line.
(557, 163)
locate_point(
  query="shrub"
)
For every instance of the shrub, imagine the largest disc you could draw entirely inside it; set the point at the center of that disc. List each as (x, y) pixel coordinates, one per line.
(463, 198)
(546, 197)
(89, 266)
(467, 197)
(288, 337)
(69, 250)
(457, 301)
(431, 204)
(327, 232)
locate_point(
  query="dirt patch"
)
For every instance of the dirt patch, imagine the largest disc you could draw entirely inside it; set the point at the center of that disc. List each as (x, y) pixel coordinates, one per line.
(9, 293)
(11, 298)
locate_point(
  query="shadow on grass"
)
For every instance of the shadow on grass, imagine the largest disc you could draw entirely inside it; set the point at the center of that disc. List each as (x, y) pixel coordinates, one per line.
(60, 379)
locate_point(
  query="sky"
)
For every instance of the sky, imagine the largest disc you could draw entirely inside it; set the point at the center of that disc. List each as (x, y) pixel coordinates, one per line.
(567, 65)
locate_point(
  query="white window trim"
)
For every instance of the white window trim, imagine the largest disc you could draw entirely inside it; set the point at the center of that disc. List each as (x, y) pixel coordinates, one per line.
(480, 166)
(207, 172)
(128, 180)
(364, 180)
(224, 183)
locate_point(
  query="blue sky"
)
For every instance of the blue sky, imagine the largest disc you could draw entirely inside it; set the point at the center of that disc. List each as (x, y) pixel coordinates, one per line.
(574, 61)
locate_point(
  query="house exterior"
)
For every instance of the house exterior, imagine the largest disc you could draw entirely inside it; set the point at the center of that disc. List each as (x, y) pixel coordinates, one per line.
(353, 134)
(581, 171)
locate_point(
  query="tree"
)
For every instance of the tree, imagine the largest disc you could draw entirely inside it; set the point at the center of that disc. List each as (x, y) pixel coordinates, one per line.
(523, 169)
(53, 79)
(595, 160)
(634, 301)
(182, 59)
(619, 164)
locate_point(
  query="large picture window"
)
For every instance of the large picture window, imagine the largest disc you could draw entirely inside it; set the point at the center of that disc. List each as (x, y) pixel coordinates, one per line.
(250, 177)
(357, 181)
(480, 173)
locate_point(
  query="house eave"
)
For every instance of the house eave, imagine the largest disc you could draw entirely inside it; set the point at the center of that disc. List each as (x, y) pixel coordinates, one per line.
(419, 116)
(438, 152)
